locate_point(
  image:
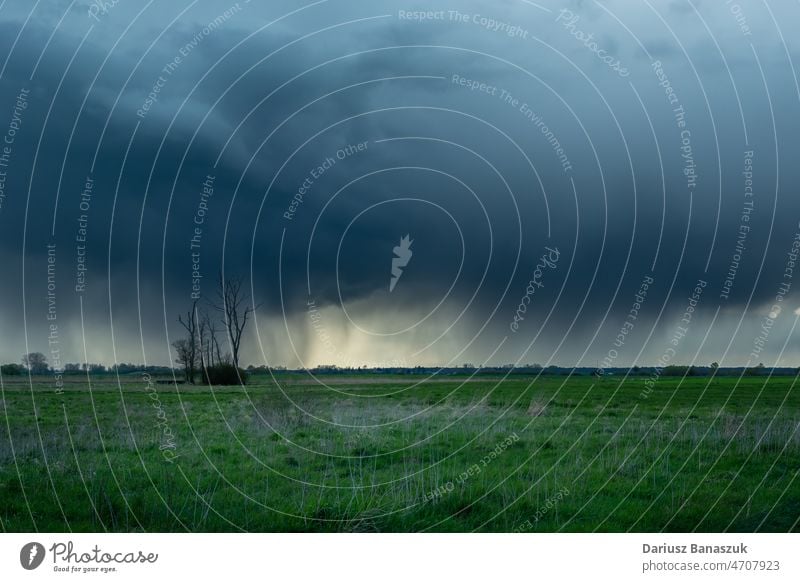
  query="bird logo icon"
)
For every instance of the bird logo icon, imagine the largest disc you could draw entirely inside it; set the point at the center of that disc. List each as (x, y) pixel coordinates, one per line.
(403, 254)
(32, 555)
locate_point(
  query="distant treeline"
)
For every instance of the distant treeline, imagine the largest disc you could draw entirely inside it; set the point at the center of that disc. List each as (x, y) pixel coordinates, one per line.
(534, 369)
(83, 369)
(37, 364)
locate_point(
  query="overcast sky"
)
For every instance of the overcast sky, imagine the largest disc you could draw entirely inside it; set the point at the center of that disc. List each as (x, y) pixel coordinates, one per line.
(545, 159)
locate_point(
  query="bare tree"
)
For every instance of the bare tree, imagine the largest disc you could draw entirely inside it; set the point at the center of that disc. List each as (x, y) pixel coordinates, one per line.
(35, 362)
(216, 354)
(192, 341)
(203, 343)
(185, 357)
(208, 338)
(232, 302)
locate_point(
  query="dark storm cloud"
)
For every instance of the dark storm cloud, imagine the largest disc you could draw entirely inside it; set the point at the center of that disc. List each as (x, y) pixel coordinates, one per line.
(446, 183)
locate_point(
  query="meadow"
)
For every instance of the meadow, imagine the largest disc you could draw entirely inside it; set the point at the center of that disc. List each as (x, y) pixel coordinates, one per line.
(374, 453)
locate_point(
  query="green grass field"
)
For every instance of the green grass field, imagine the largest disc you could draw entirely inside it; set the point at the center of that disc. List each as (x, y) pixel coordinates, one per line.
(378, 453)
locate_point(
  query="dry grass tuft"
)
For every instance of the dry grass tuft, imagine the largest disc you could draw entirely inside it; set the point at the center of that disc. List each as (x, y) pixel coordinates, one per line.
(536, 408)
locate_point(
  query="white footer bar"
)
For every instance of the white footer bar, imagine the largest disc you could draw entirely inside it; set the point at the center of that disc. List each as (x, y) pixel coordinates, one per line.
(396, 557)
